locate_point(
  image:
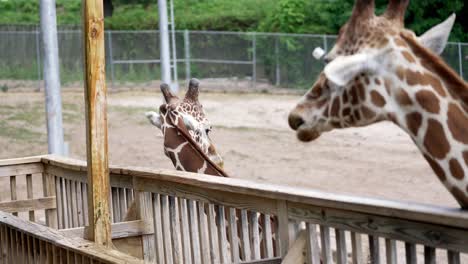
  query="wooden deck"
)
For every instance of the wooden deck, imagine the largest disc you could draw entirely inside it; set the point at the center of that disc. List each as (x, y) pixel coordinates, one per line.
(191, 218)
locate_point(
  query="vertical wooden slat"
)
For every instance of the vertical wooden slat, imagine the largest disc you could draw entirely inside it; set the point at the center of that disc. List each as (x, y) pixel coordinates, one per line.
(4, 244)
(157, 222)
(254, 235)
(69, 204)
(341, 253)
(79, 204)
(410, 252)
(204, 240)
(13, 190)
(48, 187)
(115, 208)
(122, 204)
(193, 231)
(453, 257)
(391, 251)
(429, 255)
(356, 244)
(58, 198)
(29, 249)
(326, 245)
(267, 236)
(63, 191)
(166, 229)
(145, 213)
(233, 235)
(186, 244)
(175, 228)
(13, 244)
(129, 198)
(246, 253)
(283, 228)
(313, 249)
(19, 255)
(223, 243)
(73, 203)
(30, 194)
(96, 123)
(374, 249)
(213, 234)
(84, 187)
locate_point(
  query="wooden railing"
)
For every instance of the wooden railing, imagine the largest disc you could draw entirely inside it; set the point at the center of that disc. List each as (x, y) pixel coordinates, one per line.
(191, 218)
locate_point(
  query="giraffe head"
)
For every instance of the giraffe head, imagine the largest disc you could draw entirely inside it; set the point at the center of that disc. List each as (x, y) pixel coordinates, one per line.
(188, 115)
(361, 82)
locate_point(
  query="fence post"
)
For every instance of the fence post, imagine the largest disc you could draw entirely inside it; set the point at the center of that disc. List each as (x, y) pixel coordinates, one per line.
(111, 57)
(254, 59)
(38, 60)
(325, 44)
(460, 59)
(187, 54)
(277, 62)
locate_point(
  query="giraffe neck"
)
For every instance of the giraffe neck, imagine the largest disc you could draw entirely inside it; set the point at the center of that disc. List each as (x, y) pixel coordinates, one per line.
(431, 109)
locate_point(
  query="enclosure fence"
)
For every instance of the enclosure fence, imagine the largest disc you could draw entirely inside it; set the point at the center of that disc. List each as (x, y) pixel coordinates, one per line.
(225, 60)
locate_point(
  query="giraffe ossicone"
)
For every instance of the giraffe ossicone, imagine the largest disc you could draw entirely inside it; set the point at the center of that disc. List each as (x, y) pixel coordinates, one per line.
(377, 71)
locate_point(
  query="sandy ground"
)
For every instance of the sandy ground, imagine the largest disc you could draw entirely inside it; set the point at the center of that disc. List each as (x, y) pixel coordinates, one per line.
(251, 133)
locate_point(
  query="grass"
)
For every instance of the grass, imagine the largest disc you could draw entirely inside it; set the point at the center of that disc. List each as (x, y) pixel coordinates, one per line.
(19, 133)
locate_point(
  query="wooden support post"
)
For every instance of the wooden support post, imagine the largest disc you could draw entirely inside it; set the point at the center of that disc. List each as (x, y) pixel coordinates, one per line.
(99, 229)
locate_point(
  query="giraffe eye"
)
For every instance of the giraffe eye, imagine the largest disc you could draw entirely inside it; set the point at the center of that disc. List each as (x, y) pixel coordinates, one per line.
(208, 130)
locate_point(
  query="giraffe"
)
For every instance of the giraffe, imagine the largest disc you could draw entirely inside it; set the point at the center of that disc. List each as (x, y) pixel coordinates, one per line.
(186, 132)
(377, 71)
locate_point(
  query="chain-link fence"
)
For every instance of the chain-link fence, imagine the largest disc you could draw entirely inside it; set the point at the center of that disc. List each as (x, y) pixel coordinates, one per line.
(224, 59)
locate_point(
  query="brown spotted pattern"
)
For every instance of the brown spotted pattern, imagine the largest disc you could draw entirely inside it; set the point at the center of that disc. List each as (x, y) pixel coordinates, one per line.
(377, 99)
(428, 101)
(436, 168)
(457, 121)
(413, 122)
(456, 169)
(435, 140)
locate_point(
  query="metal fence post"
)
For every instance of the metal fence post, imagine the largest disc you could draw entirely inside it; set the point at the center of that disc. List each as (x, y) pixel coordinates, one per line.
(111, 57)
(187, 54)
(277, 62)
(254, 59)
(460, 59)
(38, 60)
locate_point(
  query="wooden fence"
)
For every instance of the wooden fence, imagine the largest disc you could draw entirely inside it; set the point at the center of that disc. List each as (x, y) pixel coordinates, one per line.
(191, 218)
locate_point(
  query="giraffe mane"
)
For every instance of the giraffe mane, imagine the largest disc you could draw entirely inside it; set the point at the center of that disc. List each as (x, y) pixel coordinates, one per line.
(454, 83)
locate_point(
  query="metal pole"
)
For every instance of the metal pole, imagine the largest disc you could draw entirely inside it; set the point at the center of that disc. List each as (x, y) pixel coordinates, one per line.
(254, 59)
(325, 44)
(174, 54)
(187, 54)
(164, 43)
(38, 59)
(51, 77)
(460, 59)
(278, 71)
(111, 57)
(99, 229)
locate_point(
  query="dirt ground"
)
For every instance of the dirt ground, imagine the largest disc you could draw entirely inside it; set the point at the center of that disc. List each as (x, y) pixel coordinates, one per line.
(251, 133)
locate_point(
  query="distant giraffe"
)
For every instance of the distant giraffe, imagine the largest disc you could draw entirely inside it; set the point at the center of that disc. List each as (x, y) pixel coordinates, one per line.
(378, 70)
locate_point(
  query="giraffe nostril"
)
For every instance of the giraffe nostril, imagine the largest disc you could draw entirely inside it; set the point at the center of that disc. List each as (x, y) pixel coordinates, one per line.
(295, 121)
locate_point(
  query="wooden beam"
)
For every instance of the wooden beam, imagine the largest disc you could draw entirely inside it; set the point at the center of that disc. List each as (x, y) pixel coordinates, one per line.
(28, 205)
(99, 229)
(119, 230)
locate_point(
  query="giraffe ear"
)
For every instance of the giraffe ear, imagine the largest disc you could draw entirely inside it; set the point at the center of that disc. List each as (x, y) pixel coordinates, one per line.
(154, 118)
(343, 69)
(436, 38)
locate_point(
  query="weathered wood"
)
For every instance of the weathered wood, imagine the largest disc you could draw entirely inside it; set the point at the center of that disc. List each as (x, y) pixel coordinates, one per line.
(410, 253)
(326, 245)
(59, 203)
(223, 242)
(213, 234)
(283, 224)
(21, 169)
(122, 203)
(30, 195)
(204, 240)
(84, 191)
(356, 244)
(429, 255)
(96, 123)
(64, 205)
(13, 195)
(55, 240)
(267, 236)
(79, 204)
(119, 230)
(115, 205)
(246, 251)
(233, 235)
(341, 252)
(313, 250)
(23, 160)
(158, 233)
(28, 205)
(145, 213)
(446, 237)
(254, 234)
(166, 229)
(264, 261)
(193, 231)
(175, 229)
(391, 251)
(453, 257)
(374, 249)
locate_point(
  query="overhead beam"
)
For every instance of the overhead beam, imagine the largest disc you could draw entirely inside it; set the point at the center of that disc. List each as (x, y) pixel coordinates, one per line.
(99, 229)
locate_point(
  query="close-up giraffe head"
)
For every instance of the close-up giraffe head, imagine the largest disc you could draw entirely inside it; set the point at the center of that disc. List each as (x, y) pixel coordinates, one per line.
(189, 112)
(360, 84)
